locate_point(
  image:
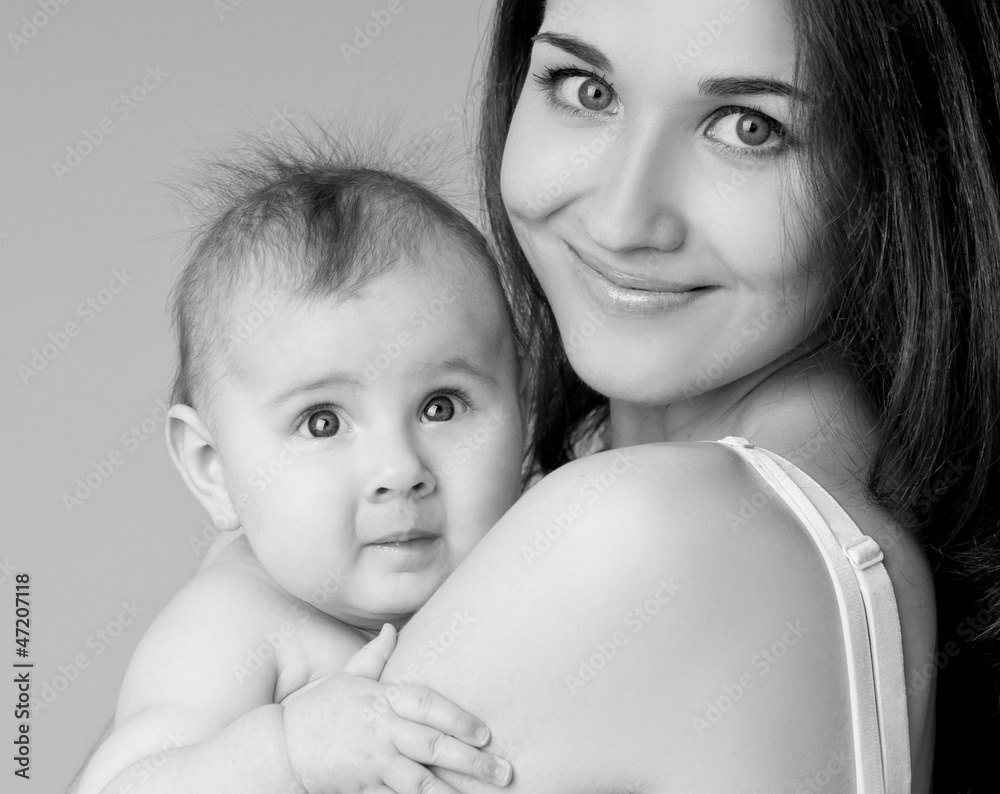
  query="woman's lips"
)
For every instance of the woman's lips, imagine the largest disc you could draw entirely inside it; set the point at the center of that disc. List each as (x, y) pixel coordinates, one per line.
(618, 292)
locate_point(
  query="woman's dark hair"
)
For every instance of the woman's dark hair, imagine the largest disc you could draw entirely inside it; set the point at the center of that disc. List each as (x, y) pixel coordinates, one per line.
(563, 408)
(900, 141)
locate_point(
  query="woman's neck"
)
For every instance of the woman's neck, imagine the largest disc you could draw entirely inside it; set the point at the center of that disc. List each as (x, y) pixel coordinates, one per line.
(717, 413)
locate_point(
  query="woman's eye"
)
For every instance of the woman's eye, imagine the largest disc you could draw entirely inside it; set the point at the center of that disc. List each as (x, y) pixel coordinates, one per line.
(442, 408)
(321, 423)
(577, 90)
(747, 130)
(590, 92)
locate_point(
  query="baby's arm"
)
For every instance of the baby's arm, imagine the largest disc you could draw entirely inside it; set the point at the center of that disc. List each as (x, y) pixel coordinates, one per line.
(196, 711)
(190, 706)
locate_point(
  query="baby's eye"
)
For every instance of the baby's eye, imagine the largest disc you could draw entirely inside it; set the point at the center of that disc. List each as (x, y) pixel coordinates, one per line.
(322, 422)
(577, 90)
(443, 408)
(746, 129)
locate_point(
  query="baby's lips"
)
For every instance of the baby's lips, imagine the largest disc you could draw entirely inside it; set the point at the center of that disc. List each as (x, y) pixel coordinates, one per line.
(401, 536)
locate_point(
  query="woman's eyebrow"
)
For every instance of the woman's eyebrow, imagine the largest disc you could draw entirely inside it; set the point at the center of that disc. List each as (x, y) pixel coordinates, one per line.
(739, 86)
(577, 47)
(709, 86)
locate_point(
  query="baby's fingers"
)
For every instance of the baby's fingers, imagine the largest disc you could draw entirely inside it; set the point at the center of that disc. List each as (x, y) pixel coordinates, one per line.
(433, 748)
(408, 777)
(370, 660)
(424, 706)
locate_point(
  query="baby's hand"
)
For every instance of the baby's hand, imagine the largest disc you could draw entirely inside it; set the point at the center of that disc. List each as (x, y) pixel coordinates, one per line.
(346, 735)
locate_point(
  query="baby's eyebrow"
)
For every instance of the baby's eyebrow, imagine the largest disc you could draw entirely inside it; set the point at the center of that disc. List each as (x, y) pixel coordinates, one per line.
(578, 48)
(457, 363)
(341, 379)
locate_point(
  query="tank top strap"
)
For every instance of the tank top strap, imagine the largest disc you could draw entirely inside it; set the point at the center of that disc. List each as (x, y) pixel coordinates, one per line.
(869, 618)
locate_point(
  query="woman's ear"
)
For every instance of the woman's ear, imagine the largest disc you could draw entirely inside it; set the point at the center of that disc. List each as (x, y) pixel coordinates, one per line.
(193, 450)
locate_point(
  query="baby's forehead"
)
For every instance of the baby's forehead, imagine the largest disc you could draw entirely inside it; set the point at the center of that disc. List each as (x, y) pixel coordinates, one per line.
(442, 290)
(412, 315)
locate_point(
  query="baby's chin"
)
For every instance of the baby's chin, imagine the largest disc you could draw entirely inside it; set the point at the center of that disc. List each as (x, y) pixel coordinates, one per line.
(374, 612)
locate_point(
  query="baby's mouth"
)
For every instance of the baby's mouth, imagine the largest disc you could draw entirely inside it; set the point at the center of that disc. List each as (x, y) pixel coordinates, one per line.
(419, 540)
(411, 551)
(412, 543)
(409, 537)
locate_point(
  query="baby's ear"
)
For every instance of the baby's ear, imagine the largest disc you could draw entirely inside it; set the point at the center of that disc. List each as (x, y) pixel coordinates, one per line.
(193, 450)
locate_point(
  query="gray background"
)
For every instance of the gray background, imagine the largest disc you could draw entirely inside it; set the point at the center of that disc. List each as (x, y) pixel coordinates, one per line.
(224, 66)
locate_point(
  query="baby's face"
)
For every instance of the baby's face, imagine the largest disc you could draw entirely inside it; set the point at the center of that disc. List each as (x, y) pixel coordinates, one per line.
(369, 444)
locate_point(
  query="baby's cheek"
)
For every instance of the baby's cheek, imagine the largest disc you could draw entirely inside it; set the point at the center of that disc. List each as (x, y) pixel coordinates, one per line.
(473, 512)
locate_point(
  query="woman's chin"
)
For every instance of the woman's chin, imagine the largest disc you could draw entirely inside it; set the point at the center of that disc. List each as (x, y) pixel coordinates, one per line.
(624, 379)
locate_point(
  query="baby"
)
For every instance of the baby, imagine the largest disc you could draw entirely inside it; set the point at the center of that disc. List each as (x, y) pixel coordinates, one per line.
(349, 404)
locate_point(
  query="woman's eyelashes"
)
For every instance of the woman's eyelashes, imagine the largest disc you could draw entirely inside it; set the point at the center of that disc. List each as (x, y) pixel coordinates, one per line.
(737, 130)
(745, 132)
(578, 91)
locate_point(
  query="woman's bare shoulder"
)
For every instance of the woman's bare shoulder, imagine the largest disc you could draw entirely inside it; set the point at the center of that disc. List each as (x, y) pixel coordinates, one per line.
(727, 494)
(620, 596)
(700, 498)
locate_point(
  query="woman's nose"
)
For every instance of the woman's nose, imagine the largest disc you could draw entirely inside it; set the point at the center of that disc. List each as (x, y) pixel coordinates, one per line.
(637, 199)
(398, 471)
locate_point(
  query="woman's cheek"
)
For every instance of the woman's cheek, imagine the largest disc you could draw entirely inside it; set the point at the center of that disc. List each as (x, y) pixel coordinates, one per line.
(754, 234)
(542, 166)
(516, 167)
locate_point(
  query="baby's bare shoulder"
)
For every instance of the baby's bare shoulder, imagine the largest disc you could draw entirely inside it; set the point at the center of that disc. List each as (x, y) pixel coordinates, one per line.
(195, 646)
(232, 588)
(305, 643)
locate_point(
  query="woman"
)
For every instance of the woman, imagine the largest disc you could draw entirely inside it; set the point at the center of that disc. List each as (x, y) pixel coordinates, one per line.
(743, 219)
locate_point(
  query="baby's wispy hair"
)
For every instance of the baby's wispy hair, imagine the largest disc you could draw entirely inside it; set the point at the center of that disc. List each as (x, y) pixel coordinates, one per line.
(309, 212)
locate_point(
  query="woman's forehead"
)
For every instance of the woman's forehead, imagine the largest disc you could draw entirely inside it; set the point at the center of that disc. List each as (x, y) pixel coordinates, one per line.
(690, 39)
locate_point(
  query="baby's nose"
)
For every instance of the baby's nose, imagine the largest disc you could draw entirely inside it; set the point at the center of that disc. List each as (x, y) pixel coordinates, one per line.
(420, 488)
(399, 472)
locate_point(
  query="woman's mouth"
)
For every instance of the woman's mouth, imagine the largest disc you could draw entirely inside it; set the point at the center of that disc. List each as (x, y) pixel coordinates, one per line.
(619, 292)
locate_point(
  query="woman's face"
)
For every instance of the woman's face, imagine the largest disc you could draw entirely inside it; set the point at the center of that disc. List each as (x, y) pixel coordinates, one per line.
(650, 176)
